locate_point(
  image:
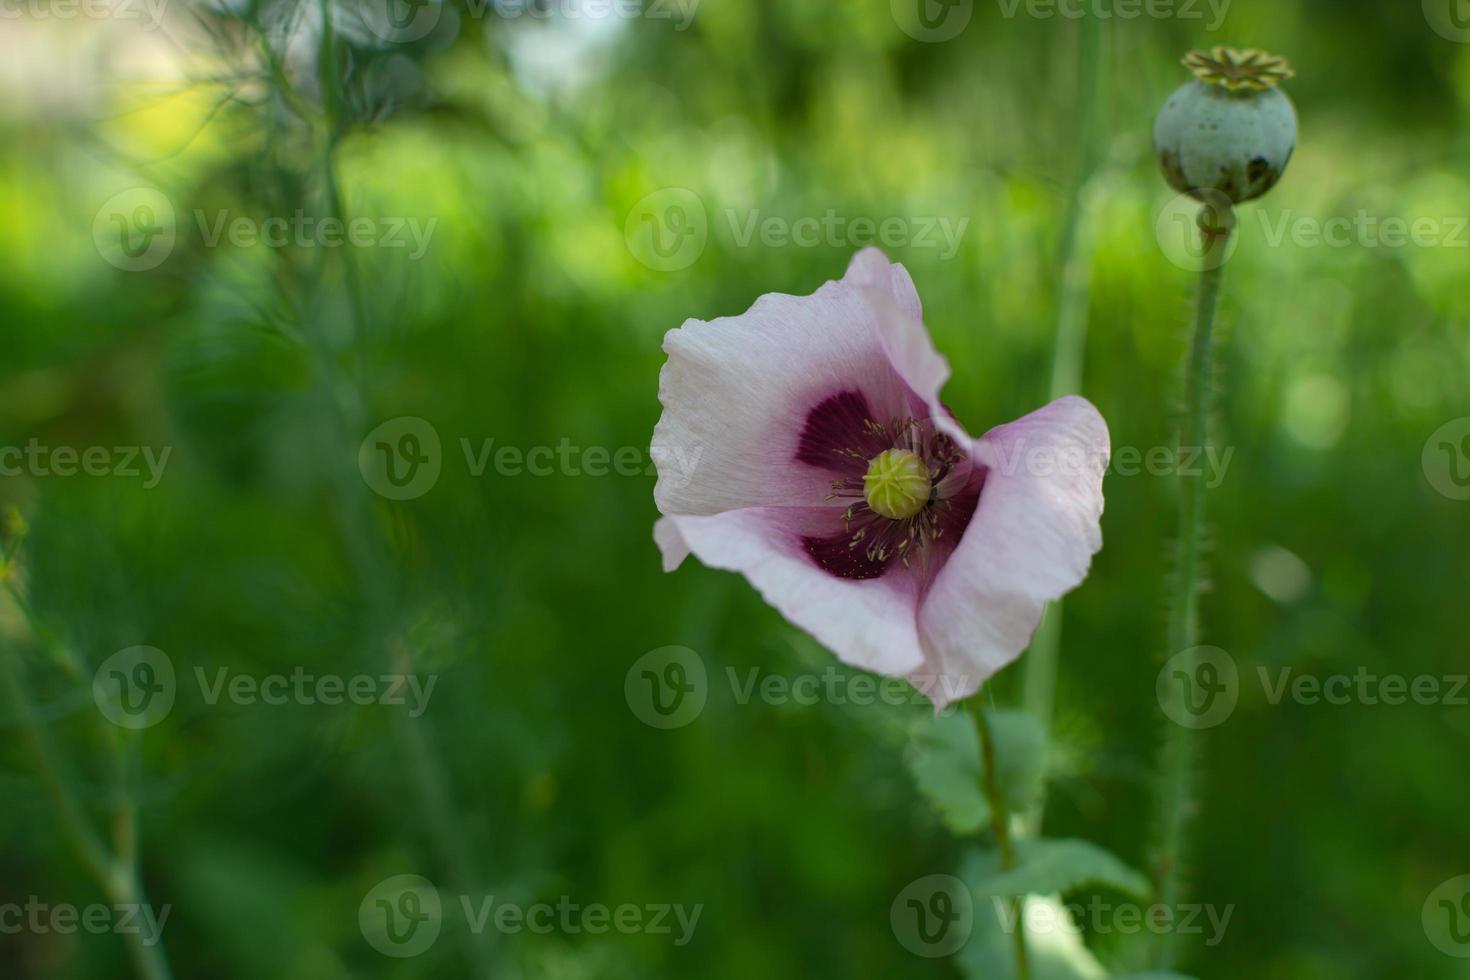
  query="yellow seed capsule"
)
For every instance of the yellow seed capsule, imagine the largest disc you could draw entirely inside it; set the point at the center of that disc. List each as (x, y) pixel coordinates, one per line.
(897, 484)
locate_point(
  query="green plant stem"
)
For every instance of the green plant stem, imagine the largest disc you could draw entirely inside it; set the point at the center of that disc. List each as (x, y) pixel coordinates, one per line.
(54, 649)
(1044, 654)
(148, 958)
(430, 780)
(1000, 825)
(1039, 694)
(1180, 755)
(116, 874)
(79, 834)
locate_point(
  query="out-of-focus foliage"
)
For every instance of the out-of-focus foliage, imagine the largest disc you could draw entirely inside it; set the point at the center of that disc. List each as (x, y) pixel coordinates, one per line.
(519, 146)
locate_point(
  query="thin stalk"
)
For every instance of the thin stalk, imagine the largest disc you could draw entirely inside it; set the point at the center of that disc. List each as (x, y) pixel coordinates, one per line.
(1040, 680)
(148, 957)
(1000, 825)
(431, 780)
(54, 648)
(116, 874)
(79, 834)
(1181, 752)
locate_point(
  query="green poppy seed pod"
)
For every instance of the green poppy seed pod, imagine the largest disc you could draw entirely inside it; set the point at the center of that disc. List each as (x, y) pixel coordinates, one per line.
(1231, 130)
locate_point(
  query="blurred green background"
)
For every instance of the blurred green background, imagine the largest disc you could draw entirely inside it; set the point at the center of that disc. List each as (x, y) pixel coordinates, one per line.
(532, 141)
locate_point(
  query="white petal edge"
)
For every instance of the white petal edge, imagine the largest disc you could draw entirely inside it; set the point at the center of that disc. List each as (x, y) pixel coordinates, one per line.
(735, 390)
(1030, 541)
(867, 624)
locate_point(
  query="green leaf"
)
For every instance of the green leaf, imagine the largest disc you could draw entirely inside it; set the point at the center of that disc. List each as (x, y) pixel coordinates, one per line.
(1054, 946)
(1047, 867)
(944, 758)
(1020, 757)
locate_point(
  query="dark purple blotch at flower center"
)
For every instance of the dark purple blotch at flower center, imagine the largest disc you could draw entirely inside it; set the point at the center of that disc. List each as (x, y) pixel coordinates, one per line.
(842, 436)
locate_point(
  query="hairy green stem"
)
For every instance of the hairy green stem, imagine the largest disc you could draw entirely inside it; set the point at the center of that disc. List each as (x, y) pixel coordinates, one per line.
(1000, 825)
(1181, 752)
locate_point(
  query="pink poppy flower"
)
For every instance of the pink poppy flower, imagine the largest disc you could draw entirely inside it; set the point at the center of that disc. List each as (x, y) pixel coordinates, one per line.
(803, 445)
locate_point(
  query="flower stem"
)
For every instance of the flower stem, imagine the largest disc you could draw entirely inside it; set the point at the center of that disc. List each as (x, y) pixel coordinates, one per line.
(1000, 824)
(1180, 755)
